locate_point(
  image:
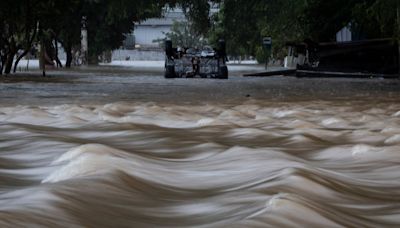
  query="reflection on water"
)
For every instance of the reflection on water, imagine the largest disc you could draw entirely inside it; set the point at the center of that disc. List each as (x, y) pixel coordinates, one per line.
(257, 164)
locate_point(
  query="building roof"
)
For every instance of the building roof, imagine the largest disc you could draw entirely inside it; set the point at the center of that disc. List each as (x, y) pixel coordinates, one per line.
(168, 19)
(171, 15)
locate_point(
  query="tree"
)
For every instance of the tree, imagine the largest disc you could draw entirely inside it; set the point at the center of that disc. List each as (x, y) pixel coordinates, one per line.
(241, 23)
(63, 24)
(60, 21)
(183, 34)
(197, 12)
(244, 23)
(109, 21)
(18, 29)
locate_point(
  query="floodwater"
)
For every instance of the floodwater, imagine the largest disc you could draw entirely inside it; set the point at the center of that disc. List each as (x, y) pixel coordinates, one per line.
(246, 157)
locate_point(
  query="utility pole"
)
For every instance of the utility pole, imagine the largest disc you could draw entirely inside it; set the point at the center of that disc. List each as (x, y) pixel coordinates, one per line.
(267, 44)
(84, 42)
(42, 51)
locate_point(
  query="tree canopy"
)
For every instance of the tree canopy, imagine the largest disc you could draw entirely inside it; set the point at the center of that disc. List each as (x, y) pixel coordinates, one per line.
(24, 22)
(244, 23)
(241, 23)
(183, 34)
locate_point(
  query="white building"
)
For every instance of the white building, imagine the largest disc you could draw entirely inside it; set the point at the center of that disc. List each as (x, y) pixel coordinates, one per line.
(345, 34)
(155, 28)
(141, 40)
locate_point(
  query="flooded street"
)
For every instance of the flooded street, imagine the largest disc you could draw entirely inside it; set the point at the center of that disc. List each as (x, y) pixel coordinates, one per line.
(102, 85)
(116, 148)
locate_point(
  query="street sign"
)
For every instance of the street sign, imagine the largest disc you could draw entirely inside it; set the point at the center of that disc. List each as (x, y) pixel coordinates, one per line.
(267, 44)
(267, 41)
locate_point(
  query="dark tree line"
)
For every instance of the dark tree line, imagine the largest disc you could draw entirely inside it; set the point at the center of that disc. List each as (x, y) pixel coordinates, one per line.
(242, 23)
(26, 23)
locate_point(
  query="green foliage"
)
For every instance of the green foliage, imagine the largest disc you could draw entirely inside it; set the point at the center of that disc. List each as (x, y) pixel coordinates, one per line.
(261, 54)
(183, 34)
(244, 23)
(377, 18)
(235, 26)
(107, 22)
(241, 23)
(197, 11)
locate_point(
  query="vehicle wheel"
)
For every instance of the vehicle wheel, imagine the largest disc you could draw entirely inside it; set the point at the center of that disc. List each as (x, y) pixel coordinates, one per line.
(170, 72)
(222, 48)
(223, 72)
(168, 48)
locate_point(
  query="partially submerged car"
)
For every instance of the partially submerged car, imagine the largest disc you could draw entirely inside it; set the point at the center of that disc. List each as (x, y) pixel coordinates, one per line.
(192, 62)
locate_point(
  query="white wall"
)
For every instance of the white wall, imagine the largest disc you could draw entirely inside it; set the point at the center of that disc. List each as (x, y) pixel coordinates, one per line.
(153, 28)
(344, 35)
(144, 35)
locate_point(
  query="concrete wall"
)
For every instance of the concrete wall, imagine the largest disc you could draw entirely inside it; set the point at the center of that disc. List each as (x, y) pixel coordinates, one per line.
(144, 35)
(155, 28)
(137, 55)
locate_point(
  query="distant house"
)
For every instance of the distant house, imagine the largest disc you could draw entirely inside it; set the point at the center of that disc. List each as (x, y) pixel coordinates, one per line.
(155, 28)
(350, 33)
(345, 34)
(152, 29)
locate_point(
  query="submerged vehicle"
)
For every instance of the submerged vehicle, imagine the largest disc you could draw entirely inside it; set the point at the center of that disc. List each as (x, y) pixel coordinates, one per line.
(192, 62)
(366, 58)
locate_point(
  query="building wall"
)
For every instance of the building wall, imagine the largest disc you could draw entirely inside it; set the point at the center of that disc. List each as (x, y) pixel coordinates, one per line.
(344, 35)
(146, 34)
(137, 55)
(155, 28)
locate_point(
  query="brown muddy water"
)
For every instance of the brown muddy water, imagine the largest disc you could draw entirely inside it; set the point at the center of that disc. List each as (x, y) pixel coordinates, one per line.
(294, 160)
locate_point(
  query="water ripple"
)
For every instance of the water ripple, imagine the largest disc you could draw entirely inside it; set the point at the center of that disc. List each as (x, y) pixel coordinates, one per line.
(257, 164)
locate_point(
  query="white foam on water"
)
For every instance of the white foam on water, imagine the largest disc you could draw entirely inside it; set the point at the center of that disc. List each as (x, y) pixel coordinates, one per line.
(368, 153)
(246, 133)
(205, 122)
(395, 139)
(331, 121)
(362, 150)
(74, 153)
(258, 162)
(285, 205)
(283, 113)
(156, 117)
(86, 160)
(397, 114)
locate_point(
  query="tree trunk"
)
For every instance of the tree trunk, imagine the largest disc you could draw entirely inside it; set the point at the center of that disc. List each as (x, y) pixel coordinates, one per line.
(12, 50)
(2, 61)
(19, 59)
(68, 51)
(93, 60)
(42, 61)
(58, 62)
(9, 61)
(398, 57)
(28, 45)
